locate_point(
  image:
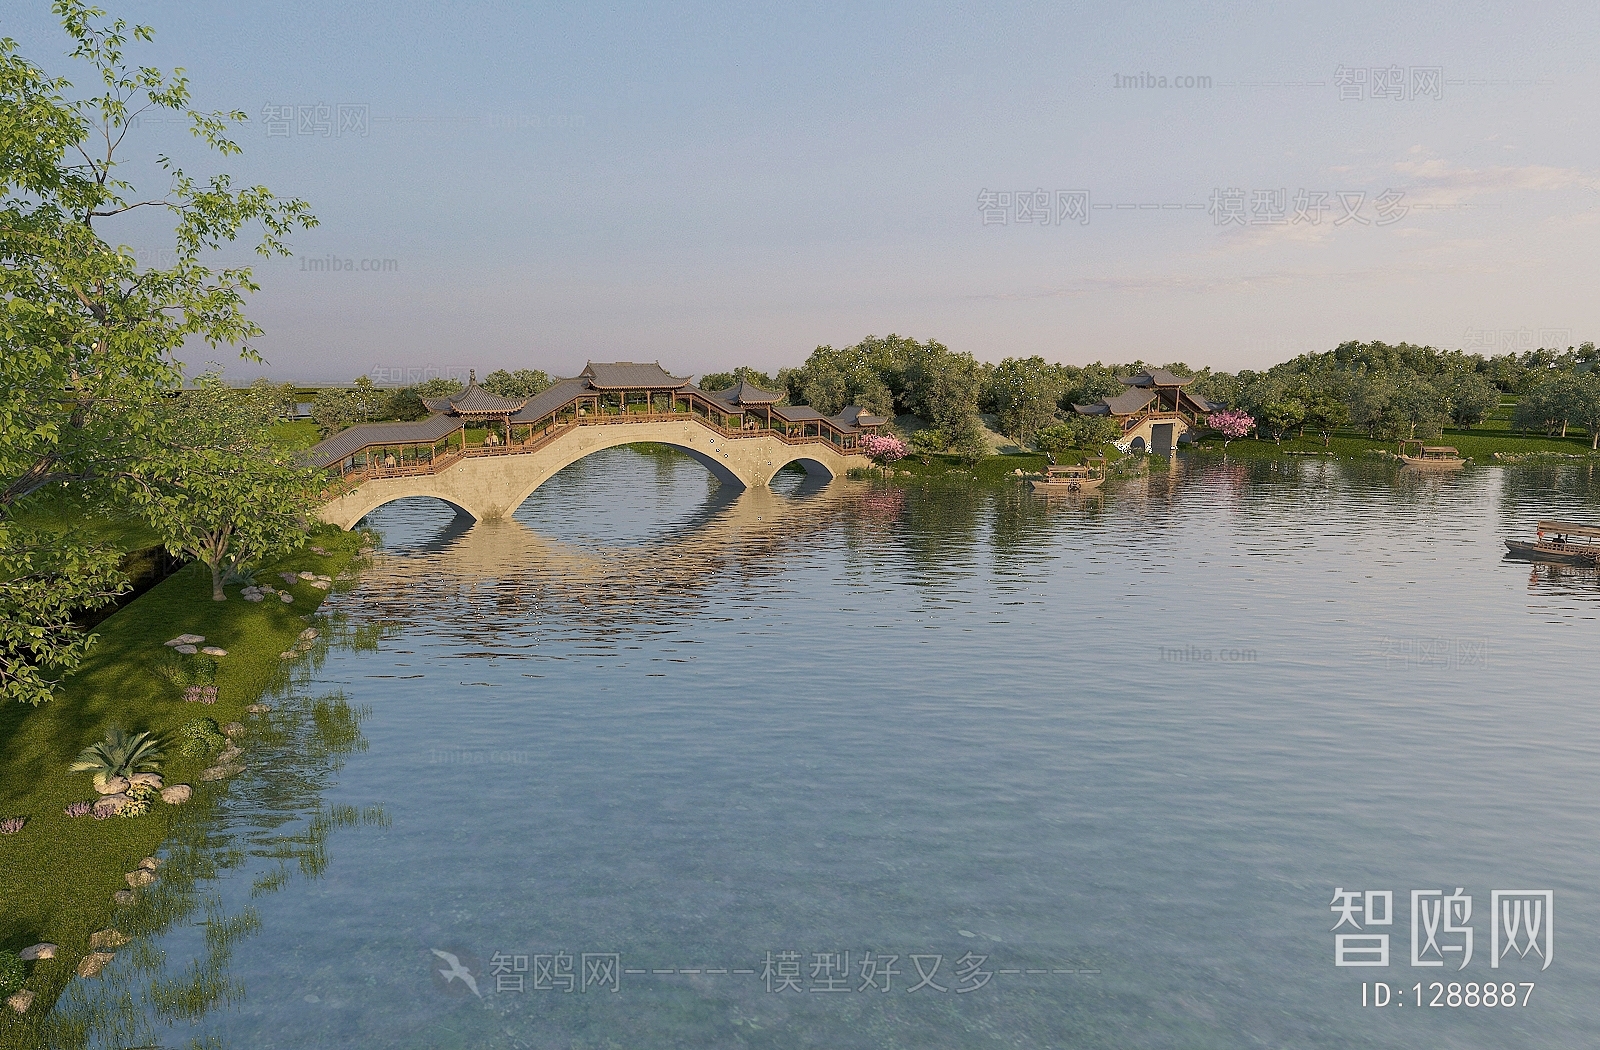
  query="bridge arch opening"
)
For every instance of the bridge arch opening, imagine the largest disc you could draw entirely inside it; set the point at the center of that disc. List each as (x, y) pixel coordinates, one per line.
(418, 522)
(626, 494)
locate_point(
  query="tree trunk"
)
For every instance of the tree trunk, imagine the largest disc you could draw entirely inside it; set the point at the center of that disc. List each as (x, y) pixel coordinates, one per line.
(1563, 428)
(216, 582)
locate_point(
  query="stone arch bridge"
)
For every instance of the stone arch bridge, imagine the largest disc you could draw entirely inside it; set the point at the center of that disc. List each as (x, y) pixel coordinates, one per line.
(485, 455)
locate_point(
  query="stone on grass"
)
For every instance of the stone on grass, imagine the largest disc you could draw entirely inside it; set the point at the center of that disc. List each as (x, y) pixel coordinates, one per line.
(257, 709)
(110, 805)
(290, 655)
(123, 897)
(254, 596)
(187, 650)
(322, 585)
(112, 939)
(285, 597)
(308, 634)
(220, 771)
(113, 786)
(228, 754)
(233, 729)
(188, 639)
(177, 794)
(139, 877)
(150, 863)
(319, 550)
(91, 965)
(20, 1001)
(213, 650)
(35, 952)
(149, 780)
(304, 575)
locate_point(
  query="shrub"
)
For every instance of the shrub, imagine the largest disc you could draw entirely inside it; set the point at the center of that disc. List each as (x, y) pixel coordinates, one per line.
(200, 736)
(12, 973)
(119, 755)
(79, 809)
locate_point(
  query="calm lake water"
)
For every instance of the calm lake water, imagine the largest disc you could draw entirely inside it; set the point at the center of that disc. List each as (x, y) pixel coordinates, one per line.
(662, 766)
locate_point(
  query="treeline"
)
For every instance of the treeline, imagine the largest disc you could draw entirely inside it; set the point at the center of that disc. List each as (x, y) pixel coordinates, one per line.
(1387, 391)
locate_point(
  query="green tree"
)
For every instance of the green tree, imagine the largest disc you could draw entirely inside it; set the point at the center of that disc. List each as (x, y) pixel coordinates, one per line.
(439, 386)
(1470, 398)
(221, 491)
(1024, 394)
(88, 335)
(1325, 413)
(333, 409)
(524, 382)
(1078, 432)
(1585, 404)
(718, 381)
(1549, 404)
(366, 399)
(1281, 415)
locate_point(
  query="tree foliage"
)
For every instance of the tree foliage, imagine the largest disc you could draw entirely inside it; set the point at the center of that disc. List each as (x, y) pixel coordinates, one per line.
(524, 382)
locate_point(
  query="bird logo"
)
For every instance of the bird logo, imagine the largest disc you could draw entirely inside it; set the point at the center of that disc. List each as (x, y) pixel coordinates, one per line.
(457, 971)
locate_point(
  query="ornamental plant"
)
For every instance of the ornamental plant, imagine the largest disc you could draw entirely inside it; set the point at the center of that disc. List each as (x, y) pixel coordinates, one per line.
(119, 755)
(1231, 423)
(884, 449)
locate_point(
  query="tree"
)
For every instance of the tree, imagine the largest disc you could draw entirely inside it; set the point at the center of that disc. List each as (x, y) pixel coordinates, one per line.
(1549, 404)
(1077, 432)
(333, 409)
(1585, 404)
(719, 381)
(1282, 415)
(221, 492)
(366, 399)
(1471, 398)
(882, 448)
(439, 386)
(1232, 424)
(88, 335)
(1324, 414)
(1024, 394)
(524, 382)
(831, 379)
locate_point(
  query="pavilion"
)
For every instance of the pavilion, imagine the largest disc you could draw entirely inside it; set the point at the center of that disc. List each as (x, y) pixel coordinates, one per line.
(1157, 413)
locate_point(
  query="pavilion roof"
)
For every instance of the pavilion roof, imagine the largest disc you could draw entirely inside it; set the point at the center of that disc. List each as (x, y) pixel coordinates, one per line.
(626, 375)
(797, 413)
(474, 401)
(742, 393)
(351, 440)
(1155, 377)
(551, 398)
(856, 416)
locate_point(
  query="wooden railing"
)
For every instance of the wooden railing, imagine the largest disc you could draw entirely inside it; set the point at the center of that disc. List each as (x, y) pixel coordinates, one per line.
(549, 432)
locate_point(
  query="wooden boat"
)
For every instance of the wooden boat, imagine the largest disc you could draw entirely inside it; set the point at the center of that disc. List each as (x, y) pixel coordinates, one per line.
(1084, 477)
(1431, 457)
(1560, 541)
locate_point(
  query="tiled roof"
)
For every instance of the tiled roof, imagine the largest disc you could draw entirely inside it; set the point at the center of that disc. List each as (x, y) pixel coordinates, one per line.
(551, 398)
(351, 440)
(1130, 401)
(474, 401)
(626, 375)
(1156, 377)
(797, 413)
(743, 393)
(856, 416)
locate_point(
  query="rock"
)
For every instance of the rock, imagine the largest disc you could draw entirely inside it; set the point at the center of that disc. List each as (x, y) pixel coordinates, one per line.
(307, 575)
(228, 754)
(110, 805)
(319, 550)
(267, 588)
(20, 1001)
(322, 585)
(123, 897)
(233, 729)
(290, 578)
(308, 634)
(177, 794)
(150, 863)
(220, 771)
(285, 597)
(113, 786)
(254, 597)
(188, 639)
(288, 655)
(149, 780)
(91, 965)
(35, 952)
(212, 650)
(139, 877)
(187, 650)
(112, 939)
(257, 709)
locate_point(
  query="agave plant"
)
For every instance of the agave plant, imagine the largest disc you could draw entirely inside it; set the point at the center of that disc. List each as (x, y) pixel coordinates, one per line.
(119, 755)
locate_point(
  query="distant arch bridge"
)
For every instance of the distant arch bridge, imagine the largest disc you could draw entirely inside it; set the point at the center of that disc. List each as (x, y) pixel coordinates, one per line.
(485, 454)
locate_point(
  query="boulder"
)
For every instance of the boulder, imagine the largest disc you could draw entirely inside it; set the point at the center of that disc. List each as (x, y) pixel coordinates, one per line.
(139, 877)
(112, 786)
(35, 952)
(319, 550)
(213, 650)
(187, 650)
(220, 771)
(308, 634)
(254, 596)
(177, 794)
(290, 655)
(257, 709)
(188, 639)
(307, 575)
(289, 578)
(233, 729)
(110, 805)
(123, 897)
(20, 1001)
(91, 965)
(285, 597)
(149, 780)
(107, 939)
(228, 754)
(150, 863)
(321, 585)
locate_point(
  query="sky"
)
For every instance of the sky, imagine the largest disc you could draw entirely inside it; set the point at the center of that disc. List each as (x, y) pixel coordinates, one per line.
(711, 185)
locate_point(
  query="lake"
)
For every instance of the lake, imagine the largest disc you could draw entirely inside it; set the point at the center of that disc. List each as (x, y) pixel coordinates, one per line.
(862, 765)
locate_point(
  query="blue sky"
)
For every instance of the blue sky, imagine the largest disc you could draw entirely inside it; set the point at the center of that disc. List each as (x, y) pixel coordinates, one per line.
(711, 185)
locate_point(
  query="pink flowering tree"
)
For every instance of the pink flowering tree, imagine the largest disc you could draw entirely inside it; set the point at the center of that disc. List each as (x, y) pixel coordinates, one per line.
(1231, 423)
(883, 449)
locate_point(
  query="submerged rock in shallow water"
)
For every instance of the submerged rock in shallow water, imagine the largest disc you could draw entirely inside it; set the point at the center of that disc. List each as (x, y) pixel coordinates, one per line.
(91, 965)
(123, 897)
(139, 877)
(107, 939)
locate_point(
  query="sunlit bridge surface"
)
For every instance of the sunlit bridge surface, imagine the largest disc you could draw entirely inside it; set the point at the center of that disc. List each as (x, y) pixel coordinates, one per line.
(854, 766)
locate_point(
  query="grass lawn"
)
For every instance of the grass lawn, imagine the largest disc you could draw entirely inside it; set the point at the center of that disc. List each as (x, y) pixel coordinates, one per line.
(57, 874)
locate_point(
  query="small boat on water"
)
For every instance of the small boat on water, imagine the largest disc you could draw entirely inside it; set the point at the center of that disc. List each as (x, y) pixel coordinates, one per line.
(1560, 541)
(1430, 457)
(1085, 477)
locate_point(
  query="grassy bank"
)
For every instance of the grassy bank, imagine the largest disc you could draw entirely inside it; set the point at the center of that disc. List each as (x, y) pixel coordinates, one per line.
(58, 874)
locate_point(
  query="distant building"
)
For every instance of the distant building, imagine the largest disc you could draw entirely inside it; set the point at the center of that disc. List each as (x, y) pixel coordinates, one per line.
(1156, 412)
